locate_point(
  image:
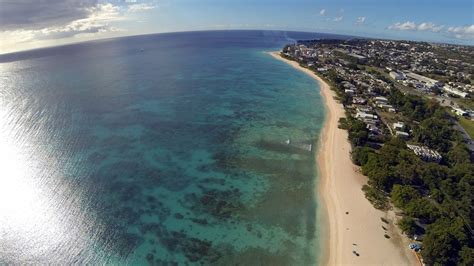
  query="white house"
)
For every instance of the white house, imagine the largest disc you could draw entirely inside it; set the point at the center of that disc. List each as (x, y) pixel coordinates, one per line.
(398, 125)
(402, 134)
(397, 76)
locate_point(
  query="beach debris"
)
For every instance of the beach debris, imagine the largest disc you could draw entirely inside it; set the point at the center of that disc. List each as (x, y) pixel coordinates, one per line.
(355, 253)
(347, 212)
(384, 220)
(386, 236)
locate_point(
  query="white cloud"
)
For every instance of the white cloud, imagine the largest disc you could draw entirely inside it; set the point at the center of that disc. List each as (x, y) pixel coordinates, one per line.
(97, 19)
(403, 26)
(463, 32)
(459, 32)
(31, 15)
(412, 26)
(429, 26)
(360, 20)
(322, 12)
(140, 7)
(338, 19)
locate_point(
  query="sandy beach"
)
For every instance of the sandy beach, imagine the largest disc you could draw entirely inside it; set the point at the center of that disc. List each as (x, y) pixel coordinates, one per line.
(350, 223)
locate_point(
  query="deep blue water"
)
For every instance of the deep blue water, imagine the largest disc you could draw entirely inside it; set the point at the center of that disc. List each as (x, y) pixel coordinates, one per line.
(168, 148)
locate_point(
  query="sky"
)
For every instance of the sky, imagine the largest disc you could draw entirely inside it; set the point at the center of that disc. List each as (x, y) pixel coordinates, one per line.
(29, 24)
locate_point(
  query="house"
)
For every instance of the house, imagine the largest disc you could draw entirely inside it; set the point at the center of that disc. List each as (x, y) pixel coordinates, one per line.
(402, 134)
(349, 91)
(373, 129)
(364, 109)
(359, 58)
(398, 126)
(397, 75)
(358, 100)
(384, 106)
(425, 153)
(381, 99)
(451, 90)
(363, 115)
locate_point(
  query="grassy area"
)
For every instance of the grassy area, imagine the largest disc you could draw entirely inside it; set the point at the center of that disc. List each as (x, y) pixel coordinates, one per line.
(465, 102)
(468, 125)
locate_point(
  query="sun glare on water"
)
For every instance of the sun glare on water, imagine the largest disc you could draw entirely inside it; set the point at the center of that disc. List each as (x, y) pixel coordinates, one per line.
(37, 219)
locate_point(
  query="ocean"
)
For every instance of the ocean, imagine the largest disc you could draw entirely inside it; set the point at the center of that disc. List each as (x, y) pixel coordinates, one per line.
(182, 148)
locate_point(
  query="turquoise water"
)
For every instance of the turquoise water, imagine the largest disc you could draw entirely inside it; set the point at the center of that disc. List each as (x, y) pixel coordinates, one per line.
(159, 149)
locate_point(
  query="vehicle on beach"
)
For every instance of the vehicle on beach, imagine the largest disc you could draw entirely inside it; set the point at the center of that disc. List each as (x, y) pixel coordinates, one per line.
(415, 246)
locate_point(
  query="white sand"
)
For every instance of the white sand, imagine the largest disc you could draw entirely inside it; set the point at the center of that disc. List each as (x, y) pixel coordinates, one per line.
(340, 190)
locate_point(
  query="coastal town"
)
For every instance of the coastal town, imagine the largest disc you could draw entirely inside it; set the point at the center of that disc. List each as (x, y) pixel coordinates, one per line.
(368, 69)
(409, 113)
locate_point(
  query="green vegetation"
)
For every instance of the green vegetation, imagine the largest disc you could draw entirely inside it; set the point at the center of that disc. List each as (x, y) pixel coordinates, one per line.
(358, 133)
(438, 195)
(376, 197)
(403, 195)
(466, 103)
(360, 155)
(444, 241)
(468, 125)
(408, 226)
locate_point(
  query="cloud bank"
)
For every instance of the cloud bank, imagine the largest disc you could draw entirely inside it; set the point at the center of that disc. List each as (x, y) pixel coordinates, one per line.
(27, 14)
(28, 20)
(465, 32)
(409, 25)
(459, 32)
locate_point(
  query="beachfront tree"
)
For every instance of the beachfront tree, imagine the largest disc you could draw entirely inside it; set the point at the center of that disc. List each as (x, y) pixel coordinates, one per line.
(443, 242)
(458, 154)
(402, 195)
(466, 256)
(407, 225)
(422, 208)
(360, 155)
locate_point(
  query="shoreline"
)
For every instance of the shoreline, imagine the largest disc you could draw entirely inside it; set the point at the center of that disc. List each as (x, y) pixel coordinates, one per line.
(352, 223)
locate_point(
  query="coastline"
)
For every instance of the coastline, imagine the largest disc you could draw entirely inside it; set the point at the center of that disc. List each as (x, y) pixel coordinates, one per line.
(352, 223)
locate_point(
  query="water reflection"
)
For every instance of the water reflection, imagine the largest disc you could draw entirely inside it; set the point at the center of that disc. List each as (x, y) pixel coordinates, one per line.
(38, 221)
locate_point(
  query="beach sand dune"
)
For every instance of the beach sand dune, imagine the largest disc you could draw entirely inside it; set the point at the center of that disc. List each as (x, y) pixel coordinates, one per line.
(351, 222)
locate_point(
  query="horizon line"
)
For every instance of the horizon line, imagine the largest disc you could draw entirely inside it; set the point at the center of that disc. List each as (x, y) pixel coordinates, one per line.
(236, 29)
